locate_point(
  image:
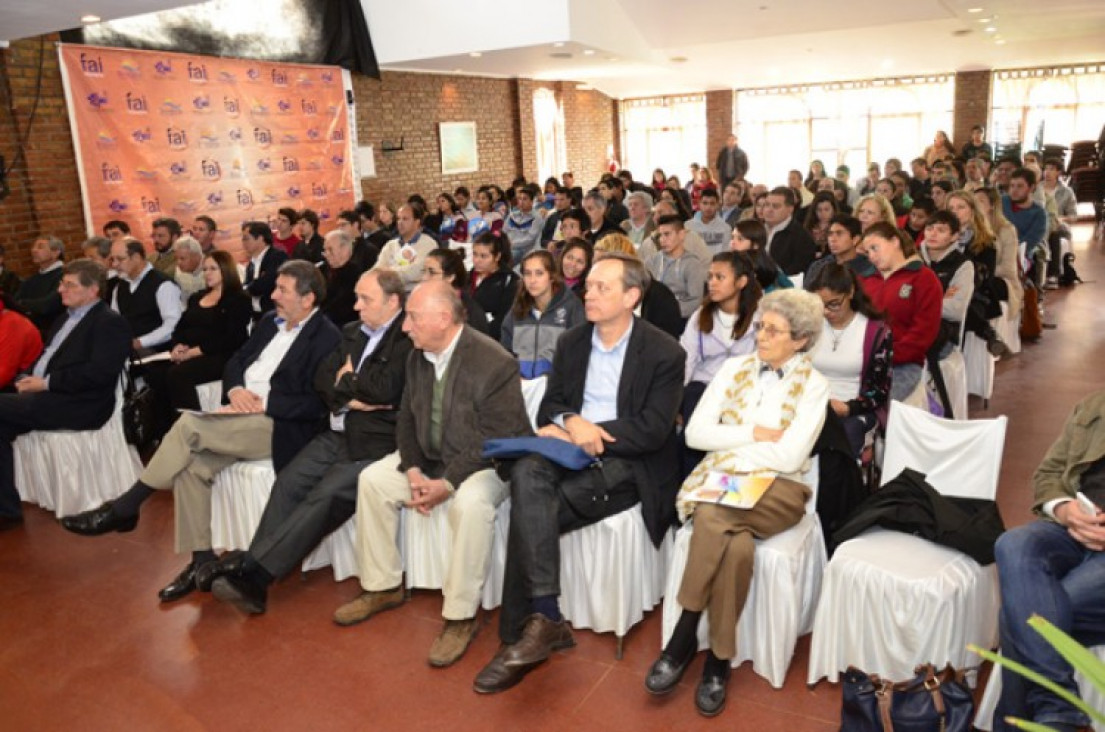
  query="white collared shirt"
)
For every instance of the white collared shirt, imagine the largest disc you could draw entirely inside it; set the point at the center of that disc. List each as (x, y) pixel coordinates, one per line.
(169, 304)
(258, 376)
(441, 360)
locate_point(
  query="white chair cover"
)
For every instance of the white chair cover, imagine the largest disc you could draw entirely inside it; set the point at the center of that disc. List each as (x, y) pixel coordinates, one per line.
(1009, 330)
(238, 498)
(533, 391)
(210, 395)
(67, 471)
(891, 601)
(426, 543)
(954, 369)
(611, 574)
(781, 602)
(984, 717)
(980, 366)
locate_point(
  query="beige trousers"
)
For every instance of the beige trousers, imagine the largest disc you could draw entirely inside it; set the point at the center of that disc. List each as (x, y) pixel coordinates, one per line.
(381, 492)
(719, 561)
(192, 453)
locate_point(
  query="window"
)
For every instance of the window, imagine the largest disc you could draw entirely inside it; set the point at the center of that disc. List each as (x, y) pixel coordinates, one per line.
(548, 120)
(664, 132)
(845, 123)
(1056, 106)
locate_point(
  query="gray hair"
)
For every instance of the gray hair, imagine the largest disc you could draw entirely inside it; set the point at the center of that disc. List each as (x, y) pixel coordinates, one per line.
(634, 273)
(344, 238)
(189, 243)
(54, 243)
(101, 243)
(308, 280)
(802, 310)
(642, 196)
(390, 283)
(596, 198)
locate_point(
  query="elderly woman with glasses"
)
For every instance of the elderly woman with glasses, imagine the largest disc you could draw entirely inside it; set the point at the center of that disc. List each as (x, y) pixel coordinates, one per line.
(757, 421)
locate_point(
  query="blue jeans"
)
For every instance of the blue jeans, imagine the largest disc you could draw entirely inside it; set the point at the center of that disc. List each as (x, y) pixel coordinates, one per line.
(1044, 571)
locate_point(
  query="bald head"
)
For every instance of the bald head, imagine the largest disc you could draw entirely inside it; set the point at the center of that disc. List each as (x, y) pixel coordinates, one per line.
(434, 315)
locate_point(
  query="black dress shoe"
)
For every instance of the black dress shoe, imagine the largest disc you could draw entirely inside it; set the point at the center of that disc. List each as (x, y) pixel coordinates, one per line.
(230, 564)
(709, 697)
(666, 671)
(181, 585)
(98, 521)
(496, 676)
(247, 596)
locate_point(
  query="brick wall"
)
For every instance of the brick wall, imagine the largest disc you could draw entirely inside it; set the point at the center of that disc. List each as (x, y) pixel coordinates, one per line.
(972, 103)
(719, 123)
(591, 130)
(45, 193)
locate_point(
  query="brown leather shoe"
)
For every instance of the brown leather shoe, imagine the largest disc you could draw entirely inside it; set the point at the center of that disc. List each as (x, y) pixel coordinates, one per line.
(367, 605)
(540, 637)
(496, 676)
(453, 641)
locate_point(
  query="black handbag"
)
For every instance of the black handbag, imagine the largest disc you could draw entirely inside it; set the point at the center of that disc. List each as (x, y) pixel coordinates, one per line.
(139, 414)
(929, 702)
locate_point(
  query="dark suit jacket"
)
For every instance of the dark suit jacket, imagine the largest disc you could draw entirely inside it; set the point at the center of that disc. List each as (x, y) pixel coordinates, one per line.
(793, 249)
(340, 295)
(84, 372)
(264, 281)
(369, 435)
(650, 391)
(482, 400)
(296, 408)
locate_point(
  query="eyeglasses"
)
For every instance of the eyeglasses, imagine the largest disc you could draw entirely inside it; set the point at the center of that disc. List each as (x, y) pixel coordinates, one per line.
(769, 330)
(834, 305)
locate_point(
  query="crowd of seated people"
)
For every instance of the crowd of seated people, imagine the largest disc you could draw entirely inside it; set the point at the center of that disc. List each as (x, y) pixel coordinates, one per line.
(301, 332)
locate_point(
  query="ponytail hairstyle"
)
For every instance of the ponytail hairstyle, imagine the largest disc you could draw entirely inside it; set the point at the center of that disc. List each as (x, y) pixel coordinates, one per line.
(747, 300)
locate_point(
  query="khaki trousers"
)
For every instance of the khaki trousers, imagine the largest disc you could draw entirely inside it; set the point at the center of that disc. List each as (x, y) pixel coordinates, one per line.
(381, 492)
(719, 563)
(192, 453)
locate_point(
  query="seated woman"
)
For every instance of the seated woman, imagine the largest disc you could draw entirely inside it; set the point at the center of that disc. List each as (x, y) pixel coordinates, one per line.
(978, 243)
(988, 201)
(872, 209)
(575, 258)
(448, 265)
(493, 283)
(759, 417)
(543, 310)
(750, 237)
(819, 216)
(719, 330)
(213, 326)
(910, 295)
(484, 219)
(453, 226)
(854, 353)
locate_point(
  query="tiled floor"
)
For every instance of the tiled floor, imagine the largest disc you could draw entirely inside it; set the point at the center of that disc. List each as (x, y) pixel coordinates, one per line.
(86, 646)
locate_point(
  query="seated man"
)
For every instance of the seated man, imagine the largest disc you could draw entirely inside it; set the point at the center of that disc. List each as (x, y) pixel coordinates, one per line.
(72, 384)
(265, 261)
(679, 268)
(164, 235)
(361, 383)
(1055, 568)
(273, 412)
(406, 253)
(38, 295)
(788, 242)
(713, 229)
(189, 273)
(614, 390)
(146, 298)
(342, 273)
(461, 388)
(956, 274)
(1029, 219)
(205, 231)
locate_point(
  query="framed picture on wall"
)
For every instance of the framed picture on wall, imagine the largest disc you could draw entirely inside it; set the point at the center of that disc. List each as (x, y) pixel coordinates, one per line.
(459, 152)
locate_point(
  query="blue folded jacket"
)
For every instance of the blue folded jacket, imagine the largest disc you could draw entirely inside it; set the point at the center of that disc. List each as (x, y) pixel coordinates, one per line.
(563, 453)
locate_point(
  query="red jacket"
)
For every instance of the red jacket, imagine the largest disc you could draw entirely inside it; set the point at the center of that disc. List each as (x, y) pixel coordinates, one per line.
(911, 298)
(20, 345)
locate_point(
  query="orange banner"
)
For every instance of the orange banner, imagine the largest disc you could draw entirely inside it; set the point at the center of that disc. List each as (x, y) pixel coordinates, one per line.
(165, 134)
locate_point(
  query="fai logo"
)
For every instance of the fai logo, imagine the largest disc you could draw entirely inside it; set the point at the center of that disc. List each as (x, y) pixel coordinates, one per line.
(92, 65)
(197, 73)
(231, 106)
(279, 77)
(291, 165)
(338, 135)
(318, 190)
(262, 136)
(176, 137)
(245, 198)
(150, 205)
(136, 103)
(309, 106)
(211, 169)
(111, 173)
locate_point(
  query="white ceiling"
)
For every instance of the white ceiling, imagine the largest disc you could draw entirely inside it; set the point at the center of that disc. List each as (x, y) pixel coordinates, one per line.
(726, 43)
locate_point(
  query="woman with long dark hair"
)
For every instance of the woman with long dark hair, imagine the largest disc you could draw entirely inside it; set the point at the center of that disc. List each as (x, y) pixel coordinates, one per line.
(575, 259)
(543, 309)
(751, 237)
(493, 283)
(855, 352)
(819, 216)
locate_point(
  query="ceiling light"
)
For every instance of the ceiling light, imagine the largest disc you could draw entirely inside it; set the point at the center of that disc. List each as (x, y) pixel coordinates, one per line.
(990, 29)
(588, 52)
(558, 44)
(475, 54)
(984, 20)
(974, 10)
(90, 18)
(1000, 41)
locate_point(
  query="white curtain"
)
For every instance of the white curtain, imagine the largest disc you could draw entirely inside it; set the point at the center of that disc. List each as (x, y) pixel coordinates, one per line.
(664, 132)
(1054, 106)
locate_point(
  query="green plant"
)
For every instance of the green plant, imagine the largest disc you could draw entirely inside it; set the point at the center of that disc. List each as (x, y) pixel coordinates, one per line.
(1075, 654)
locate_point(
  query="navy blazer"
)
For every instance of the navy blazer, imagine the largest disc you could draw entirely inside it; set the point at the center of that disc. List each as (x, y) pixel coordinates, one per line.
(264, 282)
(650, 391)
(84, 372)
(296, 409)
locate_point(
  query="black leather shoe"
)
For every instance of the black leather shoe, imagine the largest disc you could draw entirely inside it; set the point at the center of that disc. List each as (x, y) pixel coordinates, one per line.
(709, 697)
(231, 564)
(181, 585)
(496, 676)
(242, 594)
(665, 673)
(99, 521)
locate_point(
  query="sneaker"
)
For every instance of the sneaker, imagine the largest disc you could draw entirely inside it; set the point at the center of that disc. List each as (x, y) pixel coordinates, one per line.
(454, 640)
(367, 605)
